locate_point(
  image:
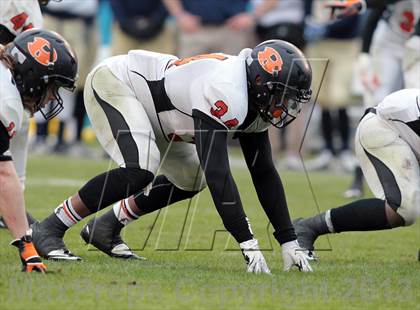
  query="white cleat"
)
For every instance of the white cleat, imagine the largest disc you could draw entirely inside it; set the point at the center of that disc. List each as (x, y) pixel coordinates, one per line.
(62, 255)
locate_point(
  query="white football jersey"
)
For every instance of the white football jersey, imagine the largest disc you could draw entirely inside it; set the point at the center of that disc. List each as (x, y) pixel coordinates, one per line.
(11, 108)
(170, 89)
(401, 110)
(20, 15)
(392, 33)
(402, 20)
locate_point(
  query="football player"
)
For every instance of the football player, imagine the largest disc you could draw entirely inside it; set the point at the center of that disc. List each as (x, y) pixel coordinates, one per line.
(411, 61)
(152, 110)
(388, 149)
(17, 16)
(380, 63)
(32, 69)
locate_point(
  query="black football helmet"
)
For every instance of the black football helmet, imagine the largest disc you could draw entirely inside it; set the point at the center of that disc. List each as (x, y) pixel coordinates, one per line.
(43, 62)
(279, 80)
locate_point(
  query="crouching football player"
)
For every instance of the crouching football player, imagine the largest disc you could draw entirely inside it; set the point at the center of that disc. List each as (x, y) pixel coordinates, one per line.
(388, 149)
(32, 69)
(151, 109)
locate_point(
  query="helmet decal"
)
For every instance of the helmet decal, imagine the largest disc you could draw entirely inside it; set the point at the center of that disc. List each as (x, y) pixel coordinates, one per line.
(270, 60)
(40, 50)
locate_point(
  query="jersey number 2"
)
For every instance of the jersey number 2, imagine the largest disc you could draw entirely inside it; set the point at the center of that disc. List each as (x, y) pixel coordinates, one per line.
(19, 21)
(221, 110)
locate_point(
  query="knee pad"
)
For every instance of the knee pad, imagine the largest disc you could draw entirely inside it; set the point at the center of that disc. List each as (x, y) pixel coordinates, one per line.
(112, 186)
(135, 177)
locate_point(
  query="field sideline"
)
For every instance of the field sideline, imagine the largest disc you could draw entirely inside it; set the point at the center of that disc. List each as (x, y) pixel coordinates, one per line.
(184, 271)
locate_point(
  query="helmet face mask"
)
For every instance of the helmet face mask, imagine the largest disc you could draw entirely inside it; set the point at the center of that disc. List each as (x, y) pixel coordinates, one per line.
(43, 62)
(51, 103)
(285, 104)
(279, 78)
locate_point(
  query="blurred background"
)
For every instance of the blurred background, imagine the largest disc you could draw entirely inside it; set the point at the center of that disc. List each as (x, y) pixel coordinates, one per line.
(98, 29)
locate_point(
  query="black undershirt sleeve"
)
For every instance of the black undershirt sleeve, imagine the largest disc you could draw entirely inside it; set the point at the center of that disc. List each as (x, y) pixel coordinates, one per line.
(417, 29)
(5, 35)
(257, 152)
(372, 20)
(4, 143)
(211, 144)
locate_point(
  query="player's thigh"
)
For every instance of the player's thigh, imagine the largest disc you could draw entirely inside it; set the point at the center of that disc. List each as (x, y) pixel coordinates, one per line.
(365, 163)
(390, 166)
(180, 164)
(120, 121)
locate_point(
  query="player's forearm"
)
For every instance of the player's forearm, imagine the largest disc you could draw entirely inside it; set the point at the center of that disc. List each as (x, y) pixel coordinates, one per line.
(211, 144)
(11, 200)
(370, 26)
(257, 152)
(228, 203)
(271, 195)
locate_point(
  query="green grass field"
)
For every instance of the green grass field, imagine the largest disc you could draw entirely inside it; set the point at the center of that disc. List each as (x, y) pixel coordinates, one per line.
(183, 271)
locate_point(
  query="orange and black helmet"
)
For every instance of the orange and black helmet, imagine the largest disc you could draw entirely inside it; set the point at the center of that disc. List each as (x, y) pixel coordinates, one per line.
(278, 73)
(42, 59)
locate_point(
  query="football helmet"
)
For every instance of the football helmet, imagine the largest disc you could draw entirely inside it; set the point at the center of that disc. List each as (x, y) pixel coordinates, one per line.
(279, 80)
(43, 62)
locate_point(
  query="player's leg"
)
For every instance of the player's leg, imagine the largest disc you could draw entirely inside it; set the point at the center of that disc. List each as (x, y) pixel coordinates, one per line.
(386, 79)
(124, 131)
(104, 232)
(183, 179)
(12, 207)
(394, 180)
(19, 150)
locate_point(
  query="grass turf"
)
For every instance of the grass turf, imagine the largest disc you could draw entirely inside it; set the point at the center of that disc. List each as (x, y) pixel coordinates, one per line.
(191, 266)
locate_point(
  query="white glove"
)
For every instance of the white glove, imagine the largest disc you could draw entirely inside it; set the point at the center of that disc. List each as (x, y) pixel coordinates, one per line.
(294, 255)
(254, 259)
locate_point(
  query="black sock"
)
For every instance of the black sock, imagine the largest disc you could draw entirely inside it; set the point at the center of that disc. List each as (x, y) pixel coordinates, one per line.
(30, 218)
(327, 129)
(111, 220)
(41, 131)
(162, 194)
(79, 114)
(344, 128)
(317, 224)
(60, 134)
(53, 223)
(360, 215)
(358, 174)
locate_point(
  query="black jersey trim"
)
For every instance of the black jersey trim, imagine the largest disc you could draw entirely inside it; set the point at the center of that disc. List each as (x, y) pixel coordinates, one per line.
(121, 132)
(389, 183)
(4, 143)
(160, 99)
